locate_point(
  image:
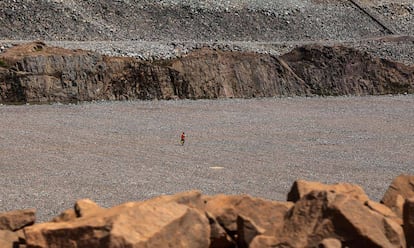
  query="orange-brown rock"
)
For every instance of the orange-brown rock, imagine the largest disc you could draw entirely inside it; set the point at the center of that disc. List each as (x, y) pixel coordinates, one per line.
(67, 215)
(218, 236)
(154, 223)
(15, 220)
(267, 215)
(320, 218)
(330, 243)
(301, 188)
(86, 207)
(247, 230)
(383, 210)
(401, 188)
(8, 239)
(408, 213)
(263, 241)
(192, 199)
(323, 214)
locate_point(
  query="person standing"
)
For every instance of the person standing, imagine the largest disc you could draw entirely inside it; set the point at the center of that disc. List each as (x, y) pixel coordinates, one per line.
(182, 138)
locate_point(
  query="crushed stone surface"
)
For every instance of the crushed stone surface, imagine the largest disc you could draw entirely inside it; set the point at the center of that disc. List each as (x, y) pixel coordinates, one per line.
(114, 152)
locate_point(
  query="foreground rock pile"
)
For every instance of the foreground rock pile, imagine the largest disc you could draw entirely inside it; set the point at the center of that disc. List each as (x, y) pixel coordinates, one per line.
(315, 215)
(34, 72)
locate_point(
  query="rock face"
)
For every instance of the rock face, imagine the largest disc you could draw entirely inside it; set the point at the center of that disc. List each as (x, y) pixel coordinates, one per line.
(400, 189)
(320, 217)
(15, 220)
(127, 225)
(301, 188)
(217, 74)
(36, 73)
(341, 71)
(409, 221)
(41, 74)
(322, 214)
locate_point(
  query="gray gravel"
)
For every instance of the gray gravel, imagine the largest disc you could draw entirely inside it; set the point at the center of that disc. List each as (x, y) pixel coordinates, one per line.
(113, 152)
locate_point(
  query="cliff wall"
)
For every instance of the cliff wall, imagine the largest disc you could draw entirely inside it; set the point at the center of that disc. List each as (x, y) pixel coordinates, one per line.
(34, 72)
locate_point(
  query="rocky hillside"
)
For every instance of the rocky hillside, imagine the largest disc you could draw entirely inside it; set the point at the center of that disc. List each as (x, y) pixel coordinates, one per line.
(170, 28)
(204, 49)
(315, 215)
(184, 20)
(35, 72)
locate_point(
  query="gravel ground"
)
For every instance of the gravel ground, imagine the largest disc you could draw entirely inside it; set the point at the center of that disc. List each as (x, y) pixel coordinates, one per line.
(113, 152)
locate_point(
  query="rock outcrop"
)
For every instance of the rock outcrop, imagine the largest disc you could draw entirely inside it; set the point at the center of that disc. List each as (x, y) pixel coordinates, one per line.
(300, 188)
(37, 73)
(324, 216)
(408, 213)
(401, 188)
(339, 70)
(15, 220)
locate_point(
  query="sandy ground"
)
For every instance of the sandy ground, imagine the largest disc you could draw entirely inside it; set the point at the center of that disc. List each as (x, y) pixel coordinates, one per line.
(113, 152)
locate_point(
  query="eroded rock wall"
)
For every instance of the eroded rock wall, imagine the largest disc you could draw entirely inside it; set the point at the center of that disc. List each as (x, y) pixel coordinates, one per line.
(36, 73)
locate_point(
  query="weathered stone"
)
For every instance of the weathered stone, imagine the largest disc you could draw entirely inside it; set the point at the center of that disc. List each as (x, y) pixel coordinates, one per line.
(408, 216)
(302, 187)
(15, 220)
(330, 243)
(262, 241)
(219, 74)
(85, 207)
(267, 215)
(359, 226)
(66, 215)
(218, 236)
(154, 223)
(383, 210)
(38, 73)
(247, 230)
(192, 199)
(401, 188)
(8, 239)
(323, 214)
(339, 70)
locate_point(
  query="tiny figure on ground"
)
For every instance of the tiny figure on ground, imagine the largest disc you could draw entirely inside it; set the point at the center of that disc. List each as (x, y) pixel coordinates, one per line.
(182, 141)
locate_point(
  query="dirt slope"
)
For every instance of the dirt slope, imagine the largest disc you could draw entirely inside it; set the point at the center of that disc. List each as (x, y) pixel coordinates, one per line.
(248, 20)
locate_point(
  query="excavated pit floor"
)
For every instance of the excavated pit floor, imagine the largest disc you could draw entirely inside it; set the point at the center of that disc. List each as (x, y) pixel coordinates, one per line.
(113, 152)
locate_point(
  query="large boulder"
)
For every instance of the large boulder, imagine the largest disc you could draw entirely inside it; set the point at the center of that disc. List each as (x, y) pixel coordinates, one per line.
(219, 237)
(383, 210)
(154, 223)
(263, 241)
(267, 216)
(301, 188)
(67, 215)
(8, 239)
(408, 213)
(15, 220)
(86, 207)
(323, 214)
(401, 188)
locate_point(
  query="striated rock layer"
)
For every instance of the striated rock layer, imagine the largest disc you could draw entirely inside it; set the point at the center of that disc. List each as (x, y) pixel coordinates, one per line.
(36, 73)
(320, 215)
